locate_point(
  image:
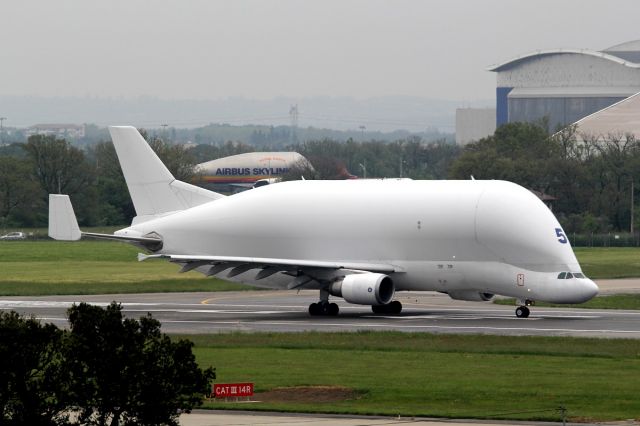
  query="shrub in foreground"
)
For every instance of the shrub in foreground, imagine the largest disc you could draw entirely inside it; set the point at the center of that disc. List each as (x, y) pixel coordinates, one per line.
(106, 369)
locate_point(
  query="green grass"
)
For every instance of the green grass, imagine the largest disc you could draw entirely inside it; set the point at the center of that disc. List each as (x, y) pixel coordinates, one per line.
(392, 373)
(609, 262)
(614, 301)
(436, 375)
(92, 267)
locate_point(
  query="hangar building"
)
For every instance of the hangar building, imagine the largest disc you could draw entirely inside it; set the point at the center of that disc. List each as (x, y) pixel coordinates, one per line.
(565, 85)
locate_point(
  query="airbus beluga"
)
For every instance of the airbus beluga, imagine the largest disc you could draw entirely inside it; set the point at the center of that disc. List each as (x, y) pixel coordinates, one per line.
(361, 240)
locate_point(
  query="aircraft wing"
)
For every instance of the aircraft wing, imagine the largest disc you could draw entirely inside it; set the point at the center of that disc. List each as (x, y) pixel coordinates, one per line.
(304, 271)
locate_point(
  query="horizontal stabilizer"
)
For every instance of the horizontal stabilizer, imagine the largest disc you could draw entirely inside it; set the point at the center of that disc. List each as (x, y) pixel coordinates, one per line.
(62, 220)
(63, 226)
(152, 243)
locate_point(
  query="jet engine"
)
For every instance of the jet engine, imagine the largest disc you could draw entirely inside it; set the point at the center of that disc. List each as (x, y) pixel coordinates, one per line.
(471, 295)
(364, 289)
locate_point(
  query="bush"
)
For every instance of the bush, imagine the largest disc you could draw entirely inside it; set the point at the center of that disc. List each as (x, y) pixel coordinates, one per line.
(105, 370)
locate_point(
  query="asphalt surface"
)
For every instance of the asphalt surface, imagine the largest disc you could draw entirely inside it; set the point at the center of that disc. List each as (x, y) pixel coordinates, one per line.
(203, 418)
(286, 311)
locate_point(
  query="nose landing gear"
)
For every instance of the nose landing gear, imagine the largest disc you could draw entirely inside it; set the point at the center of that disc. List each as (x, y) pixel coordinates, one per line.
(522, 312)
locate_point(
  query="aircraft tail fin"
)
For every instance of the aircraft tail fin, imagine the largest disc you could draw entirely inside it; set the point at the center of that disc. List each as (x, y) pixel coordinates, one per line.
(152, 187)
(63, 224)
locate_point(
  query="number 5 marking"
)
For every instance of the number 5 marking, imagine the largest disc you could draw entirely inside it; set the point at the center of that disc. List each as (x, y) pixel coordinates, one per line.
(561, 237)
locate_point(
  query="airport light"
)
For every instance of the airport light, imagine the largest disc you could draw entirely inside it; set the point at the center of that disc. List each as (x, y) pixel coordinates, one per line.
(364, 169)
(1, 130)
(402, 163)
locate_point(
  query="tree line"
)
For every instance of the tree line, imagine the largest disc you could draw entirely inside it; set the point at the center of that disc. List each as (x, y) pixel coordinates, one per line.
(592, 180)
(91, 176)
(103, 370)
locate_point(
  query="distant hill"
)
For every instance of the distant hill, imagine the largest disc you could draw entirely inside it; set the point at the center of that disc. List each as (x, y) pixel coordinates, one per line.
(380, 114)
(259, 136)
(280, 136)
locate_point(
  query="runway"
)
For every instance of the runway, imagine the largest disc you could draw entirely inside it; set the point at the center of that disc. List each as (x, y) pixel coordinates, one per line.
(286, 311)
(215, 418)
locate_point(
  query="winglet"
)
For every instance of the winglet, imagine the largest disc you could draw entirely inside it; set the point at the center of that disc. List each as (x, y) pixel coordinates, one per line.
(63, 224)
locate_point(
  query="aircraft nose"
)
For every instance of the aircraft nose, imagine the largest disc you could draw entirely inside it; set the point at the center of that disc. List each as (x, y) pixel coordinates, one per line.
(590, 289)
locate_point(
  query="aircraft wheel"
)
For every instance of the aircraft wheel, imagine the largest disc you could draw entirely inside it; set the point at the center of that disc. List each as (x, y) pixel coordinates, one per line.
(323, 308)
(377, 309)
(522, 312)
(333, 309)
(395, 307)
(315, 309)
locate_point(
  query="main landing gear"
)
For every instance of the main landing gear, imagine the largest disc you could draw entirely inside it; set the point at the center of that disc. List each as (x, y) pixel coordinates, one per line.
(323, 307)
(394, 307)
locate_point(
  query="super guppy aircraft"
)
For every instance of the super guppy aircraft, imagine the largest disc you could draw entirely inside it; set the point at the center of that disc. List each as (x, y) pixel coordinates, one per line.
(361, 240)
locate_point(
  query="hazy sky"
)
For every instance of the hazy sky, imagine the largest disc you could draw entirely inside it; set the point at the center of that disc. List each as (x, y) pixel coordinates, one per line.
(268, 48)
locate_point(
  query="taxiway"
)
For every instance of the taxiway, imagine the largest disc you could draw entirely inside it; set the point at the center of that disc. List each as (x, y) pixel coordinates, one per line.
(286, 311)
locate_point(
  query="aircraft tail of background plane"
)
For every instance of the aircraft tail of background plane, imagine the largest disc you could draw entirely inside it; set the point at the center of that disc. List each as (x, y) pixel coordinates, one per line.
(152, 187)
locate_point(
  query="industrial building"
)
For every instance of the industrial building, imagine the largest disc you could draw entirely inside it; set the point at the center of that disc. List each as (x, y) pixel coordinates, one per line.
(73, 131)
(565, 85)
(473, 124)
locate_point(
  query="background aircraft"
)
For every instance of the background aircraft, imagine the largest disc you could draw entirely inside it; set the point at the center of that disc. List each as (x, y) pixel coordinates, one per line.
(247, 170)
(361, 240)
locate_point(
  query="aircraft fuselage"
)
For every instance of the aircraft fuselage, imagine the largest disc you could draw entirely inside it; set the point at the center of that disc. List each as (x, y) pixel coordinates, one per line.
(458, 237)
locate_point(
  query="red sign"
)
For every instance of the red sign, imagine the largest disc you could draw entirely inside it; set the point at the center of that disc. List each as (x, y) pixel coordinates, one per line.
(231, 390)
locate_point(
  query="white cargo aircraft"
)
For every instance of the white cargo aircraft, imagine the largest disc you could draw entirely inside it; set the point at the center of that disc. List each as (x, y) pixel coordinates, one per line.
(361, 240)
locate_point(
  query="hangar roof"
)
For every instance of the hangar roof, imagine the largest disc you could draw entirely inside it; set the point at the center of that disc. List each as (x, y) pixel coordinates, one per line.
(572, 92)
(541, 53)
(628, 46)
(629, 51)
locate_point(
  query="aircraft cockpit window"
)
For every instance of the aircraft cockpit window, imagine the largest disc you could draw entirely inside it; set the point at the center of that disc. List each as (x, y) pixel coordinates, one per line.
(569, 275)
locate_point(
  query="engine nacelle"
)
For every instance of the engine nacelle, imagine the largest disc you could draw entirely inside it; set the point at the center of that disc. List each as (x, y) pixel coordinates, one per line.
(364, 289)
(471, 295)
